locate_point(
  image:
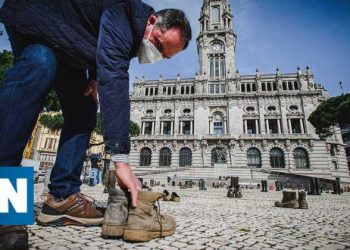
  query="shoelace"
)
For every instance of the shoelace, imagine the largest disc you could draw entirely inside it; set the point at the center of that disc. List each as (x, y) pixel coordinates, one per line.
(159, 218)
(86, 201)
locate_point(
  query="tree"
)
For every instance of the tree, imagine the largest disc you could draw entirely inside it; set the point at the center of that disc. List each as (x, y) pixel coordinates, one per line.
(333, 112)
(6, 61)
(134, 129)
(52, 122)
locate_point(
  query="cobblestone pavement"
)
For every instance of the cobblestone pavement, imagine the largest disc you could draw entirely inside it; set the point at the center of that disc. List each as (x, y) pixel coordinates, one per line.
(209, 220)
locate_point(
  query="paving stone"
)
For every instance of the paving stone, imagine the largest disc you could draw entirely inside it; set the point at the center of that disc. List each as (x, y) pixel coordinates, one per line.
(208, 220)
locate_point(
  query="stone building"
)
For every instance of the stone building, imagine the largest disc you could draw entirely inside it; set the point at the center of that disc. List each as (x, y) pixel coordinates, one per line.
(223, 122)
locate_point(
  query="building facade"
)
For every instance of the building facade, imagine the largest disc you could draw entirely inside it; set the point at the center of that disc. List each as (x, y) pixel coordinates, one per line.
(221, 119)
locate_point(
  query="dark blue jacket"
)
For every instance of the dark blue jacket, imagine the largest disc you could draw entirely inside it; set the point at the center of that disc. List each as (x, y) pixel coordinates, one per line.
(90, 34)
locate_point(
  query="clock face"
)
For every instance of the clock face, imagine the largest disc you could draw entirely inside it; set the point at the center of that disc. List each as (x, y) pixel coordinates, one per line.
(217, 47)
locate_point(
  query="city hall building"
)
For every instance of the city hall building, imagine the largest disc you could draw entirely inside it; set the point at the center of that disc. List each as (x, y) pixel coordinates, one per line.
(222, 120)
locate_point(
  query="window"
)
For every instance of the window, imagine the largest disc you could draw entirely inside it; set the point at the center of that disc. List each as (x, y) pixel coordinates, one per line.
(293, 108)
(254, 158)
(147, 128)
(296, 128)
(332, 150)
(271, 108)
(272, 126)
(165, 157)
(346, 137)
(218, 128)
(149, 111)
(217, 66)
(186, 127)
(187, 111)
(167, 128)
(300, 158)
(185, 157)
(250, 109)
(251, 127)
(217, 88)
(167, 111)
(145, 157)
(277, 158)
(215, 14)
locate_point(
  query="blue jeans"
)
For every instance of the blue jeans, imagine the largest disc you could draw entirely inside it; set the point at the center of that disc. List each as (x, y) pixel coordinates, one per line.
(35, 71)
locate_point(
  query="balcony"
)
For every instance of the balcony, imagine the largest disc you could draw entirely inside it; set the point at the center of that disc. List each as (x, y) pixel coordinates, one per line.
(276, 136)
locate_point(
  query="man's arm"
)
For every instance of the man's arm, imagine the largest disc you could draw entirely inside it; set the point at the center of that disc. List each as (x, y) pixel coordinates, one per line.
(113, 58)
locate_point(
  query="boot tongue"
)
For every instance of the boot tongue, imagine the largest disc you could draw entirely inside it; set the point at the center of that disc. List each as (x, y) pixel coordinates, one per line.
(150, 196)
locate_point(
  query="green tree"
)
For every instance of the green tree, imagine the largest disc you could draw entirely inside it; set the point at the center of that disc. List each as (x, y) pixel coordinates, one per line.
(333, 112)
(134, 129)
(6, 61)
(52, 122)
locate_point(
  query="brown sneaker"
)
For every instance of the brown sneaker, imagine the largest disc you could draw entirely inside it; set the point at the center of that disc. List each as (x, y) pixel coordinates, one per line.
(77, 209)
(145, 222)
(13, 237)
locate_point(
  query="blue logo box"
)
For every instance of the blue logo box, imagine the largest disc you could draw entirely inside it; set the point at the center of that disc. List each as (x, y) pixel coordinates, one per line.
(16, 196)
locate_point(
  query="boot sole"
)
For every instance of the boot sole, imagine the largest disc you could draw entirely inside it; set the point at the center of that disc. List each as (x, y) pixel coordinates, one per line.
(142, 235)
(66, 220)
(112, 231)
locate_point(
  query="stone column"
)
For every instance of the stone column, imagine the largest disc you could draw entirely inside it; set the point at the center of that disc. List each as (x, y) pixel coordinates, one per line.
(172, 128)
(279, 126)
(181, 127)
(225, 126)
(290, 126)
(267, 126)
(191, 127)
(143, 128)
(245, 126)
(257, 127)
(161, 127)
(301, 126)
(153, 127)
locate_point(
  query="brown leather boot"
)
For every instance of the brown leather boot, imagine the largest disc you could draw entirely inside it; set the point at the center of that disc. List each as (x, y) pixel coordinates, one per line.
(13, 237)
(77, 209)
(116, 214)
(302, 200)
(145, 222)
(289, 200)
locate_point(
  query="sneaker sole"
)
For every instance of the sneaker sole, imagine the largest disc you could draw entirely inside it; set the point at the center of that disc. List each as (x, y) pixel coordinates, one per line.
(112, 231)
(66, 220)
(142, 235)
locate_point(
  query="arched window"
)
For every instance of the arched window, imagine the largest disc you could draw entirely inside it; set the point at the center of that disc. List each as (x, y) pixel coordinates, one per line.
(145, 157)
(254, 158)
(277, 158)
(301, 158)
(165, 157)
(185, 157)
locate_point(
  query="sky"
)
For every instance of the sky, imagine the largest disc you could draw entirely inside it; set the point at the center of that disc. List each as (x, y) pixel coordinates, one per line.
(270, 34)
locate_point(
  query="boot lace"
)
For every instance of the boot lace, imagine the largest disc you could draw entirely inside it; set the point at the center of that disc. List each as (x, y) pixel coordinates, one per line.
(159, 218)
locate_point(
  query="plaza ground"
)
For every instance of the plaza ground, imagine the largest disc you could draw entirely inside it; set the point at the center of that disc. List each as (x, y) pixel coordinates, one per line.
(209, 220)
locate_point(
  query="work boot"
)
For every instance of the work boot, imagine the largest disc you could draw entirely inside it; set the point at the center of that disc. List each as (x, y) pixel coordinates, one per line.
(145, 222)
(230, 193)
(116, 214)
(302, 200)
(13, 237)
(77, 209)
(289, 200)
(167, 196)
(238, 193)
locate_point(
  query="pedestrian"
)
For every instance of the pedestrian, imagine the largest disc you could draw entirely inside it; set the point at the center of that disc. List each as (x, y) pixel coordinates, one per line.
(79, 48)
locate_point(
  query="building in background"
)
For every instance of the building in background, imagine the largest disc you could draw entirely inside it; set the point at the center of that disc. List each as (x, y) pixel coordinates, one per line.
(223, 122)
(346, 138)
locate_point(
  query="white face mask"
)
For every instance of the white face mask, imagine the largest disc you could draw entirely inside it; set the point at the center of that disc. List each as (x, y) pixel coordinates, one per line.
(148, 53)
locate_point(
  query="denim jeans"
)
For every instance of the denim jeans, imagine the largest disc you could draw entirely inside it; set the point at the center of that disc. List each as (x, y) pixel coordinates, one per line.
(35, 71)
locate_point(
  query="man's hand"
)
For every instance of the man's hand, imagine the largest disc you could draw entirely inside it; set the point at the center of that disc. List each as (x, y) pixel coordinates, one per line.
(127, 179)
(91, 89)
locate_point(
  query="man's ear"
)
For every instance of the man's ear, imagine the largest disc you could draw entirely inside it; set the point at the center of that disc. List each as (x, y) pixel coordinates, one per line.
(151, 20)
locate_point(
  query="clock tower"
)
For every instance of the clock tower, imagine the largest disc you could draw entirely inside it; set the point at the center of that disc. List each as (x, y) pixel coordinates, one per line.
(216, 41)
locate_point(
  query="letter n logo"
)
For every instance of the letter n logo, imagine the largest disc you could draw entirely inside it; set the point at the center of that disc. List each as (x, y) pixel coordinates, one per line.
(16, 196)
